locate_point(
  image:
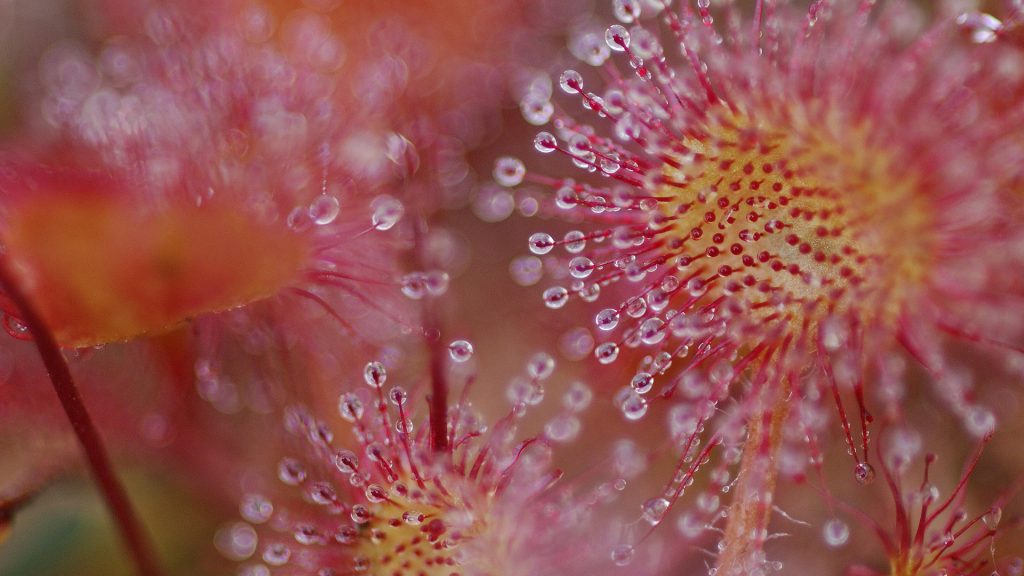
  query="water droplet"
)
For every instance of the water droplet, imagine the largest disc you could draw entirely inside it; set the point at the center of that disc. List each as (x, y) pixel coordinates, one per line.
(626, 11)
(387, 211)
(642, 383)
(375, 494)
(541, 243)
(606, 353)
(992, 517)
(571, 82)
(983, 28)
(350, 407)
(398, 396)
(581, 267)
(607, 319)
(256, 508)
(460, 351)
(622, 554)
(346, 461)
(562, 428)
(277, 554)
(375, 375)
(545, 143)
(980, 421)
(324, 209)
(633, 405)
(654, 510)
(291, 472)
(509, 171)
(835, 532)
(541, 366)
(556, 297)
(617, 38)
(577, 398)
(864, 473)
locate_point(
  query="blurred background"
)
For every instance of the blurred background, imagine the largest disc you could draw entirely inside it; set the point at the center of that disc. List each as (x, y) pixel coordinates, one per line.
(184, 452)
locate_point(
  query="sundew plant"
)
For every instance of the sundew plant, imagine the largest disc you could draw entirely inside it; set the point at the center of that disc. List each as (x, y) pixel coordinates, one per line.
(313, 305)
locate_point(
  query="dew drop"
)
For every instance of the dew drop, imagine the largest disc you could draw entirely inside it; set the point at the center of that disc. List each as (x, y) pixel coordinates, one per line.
(277, 554)
(606, 353)
(864, 473)
(387, 211)
(545, 143)
(509, 171)
(556, 297)
(654, 510)
(992, 517)
(541, 243)
(460, 351)
(622, 554)
(571, 82)
(617, 38)
(607, 319)
(540, 366)
(836, 533)
(632, 404)
(375, 375)
(346, 461)
(324, 209)
(291, 472)
(642, 383)
(350, 407)
(256, 508)
(626, 11)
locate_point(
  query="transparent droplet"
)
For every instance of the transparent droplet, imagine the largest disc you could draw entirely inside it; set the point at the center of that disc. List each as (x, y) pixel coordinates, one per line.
(626, 11)
(835, 532)
(387, 211)
(992, 517)
(578, 397)
(622, 554)
(575, 241)
(983, 28)
(617, 38)
(375, 375)
(375, 493)
(545, 143)
(864, 473)
(642, 383)
(571, 82)
(277, 554)
(509, 171)
(562, 428)
(291, 472)
(414, 285)
(346, 461)
(980, 421)
(632, 405)
(654, 510)
(606, 353)
(541, 243)
(324, 209)
(607, 319)
(581, 267)
(460, 351)
(350, 407)
(256, 508)
(556, 297)
(398, 396)
(541, 366)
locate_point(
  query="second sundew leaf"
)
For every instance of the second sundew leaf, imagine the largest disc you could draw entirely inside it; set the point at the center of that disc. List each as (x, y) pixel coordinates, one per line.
(103, 269)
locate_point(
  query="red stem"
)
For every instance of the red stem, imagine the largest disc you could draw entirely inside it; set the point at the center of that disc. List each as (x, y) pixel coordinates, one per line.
(96, 454)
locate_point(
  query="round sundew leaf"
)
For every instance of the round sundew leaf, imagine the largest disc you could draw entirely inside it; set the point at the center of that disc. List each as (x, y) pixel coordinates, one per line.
(101, 269)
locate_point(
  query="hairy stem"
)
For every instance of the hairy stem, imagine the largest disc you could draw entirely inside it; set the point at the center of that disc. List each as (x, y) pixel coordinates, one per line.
(96, 454)
(751, 507)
